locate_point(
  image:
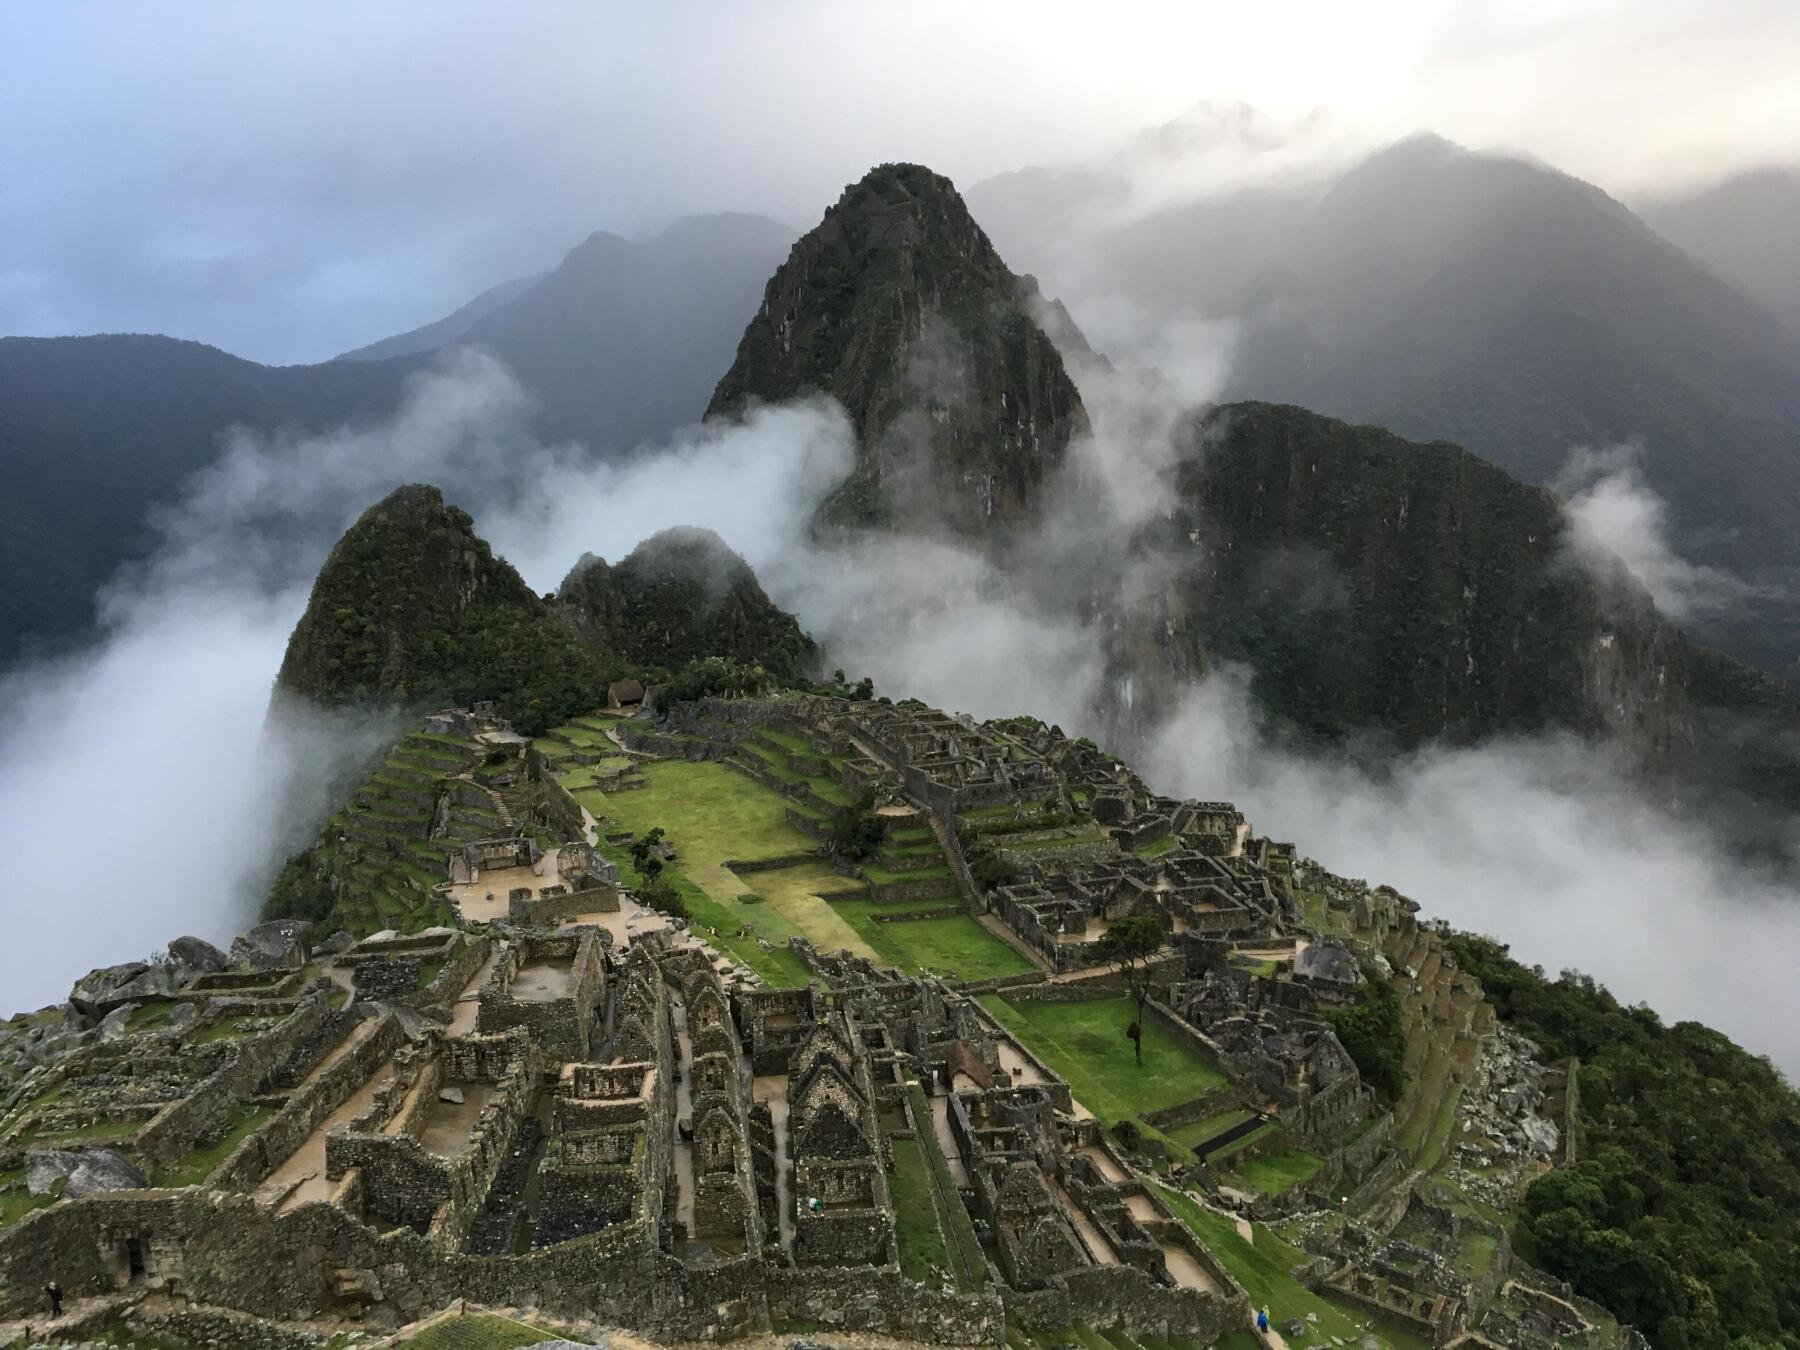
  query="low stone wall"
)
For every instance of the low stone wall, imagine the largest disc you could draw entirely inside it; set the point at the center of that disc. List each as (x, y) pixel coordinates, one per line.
(898, 892)
(772, 864)
(1125, 1298)
(206, 1328)
(879, 1298)
(250, 1163)
(543, 910)
(1209, 1103)
(201, 1116)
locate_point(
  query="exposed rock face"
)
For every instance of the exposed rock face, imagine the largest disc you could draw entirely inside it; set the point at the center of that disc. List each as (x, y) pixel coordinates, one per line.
(280, 942)
(100, 991)
(196, 955)
(682, 595)
(86, 1169)
(897, 306)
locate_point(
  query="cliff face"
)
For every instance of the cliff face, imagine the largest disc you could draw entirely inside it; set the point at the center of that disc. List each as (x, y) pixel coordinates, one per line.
(682, 595)
(1375, 584)
(897, 306)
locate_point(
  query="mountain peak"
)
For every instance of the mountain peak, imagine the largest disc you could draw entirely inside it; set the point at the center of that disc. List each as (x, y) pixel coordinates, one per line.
(897, 305)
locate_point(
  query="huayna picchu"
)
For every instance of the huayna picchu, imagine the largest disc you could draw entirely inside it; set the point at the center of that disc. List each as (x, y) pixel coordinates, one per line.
(898, 307)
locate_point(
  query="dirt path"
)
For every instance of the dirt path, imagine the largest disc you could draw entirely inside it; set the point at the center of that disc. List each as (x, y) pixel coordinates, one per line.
(684, 1110)
(773, 1089)
(302, 1174)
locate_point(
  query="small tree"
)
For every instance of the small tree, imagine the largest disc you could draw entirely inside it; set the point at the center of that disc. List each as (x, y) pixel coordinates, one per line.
(1128, 947)
(643, 850)
(855, 831)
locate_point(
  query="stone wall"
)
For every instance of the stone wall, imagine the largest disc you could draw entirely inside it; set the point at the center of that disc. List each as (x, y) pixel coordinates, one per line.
(306, 1109)
(1106, 1297)
(200, 1117)
(544, 910)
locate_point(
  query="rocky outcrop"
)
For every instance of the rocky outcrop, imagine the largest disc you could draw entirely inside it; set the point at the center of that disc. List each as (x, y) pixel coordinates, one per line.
(82, 1171)
(897, 306)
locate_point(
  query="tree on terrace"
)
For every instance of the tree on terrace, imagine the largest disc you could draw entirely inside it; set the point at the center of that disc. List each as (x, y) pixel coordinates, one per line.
(1129, 947)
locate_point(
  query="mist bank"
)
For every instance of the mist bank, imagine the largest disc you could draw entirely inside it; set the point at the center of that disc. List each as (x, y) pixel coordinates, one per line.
(155, 741)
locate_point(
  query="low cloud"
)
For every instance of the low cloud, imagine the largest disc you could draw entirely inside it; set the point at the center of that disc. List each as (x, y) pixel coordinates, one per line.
(144, 790)
(143, 795)
(1617, 521)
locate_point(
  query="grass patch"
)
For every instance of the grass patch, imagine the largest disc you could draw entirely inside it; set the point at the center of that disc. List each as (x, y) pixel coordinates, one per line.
(1157, 847)
(1085, 1044)
(956, 945)
(1278, 1172)
(923, 1254)
(197, 1166)
(1265, 1269)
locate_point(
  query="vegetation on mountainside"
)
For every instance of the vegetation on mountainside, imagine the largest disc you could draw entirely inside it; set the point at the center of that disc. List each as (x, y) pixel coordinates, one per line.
(413, 608)
(1371, 1033)
(682, 596)
(1683, 1214)
(897, 306)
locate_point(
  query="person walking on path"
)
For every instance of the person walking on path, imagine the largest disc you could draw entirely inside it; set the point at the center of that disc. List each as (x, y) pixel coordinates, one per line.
(54, 1290)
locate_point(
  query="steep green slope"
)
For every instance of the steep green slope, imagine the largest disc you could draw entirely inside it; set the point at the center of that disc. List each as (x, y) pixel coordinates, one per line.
(1683, 1215)
(412, 608)
(682, 595)
(897, 306)
(1375, 583)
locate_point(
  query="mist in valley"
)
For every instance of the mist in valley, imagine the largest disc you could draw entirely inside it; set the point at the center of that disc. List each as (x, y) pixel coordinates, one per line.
(145, 794)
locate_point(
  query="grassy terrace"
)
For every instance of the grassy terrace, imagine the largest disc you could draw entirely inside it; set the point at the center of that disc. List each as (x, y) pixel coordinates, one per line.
(197, 1166)
(1085, 1044)
(1264, 1265)
(956, 946)
(1277, 1172)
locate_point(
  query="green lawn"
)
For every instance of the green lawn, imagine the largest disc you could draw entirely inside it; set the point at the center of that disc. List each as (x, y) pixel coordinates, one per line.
(916, 1228)
(1264, 1268)
(1278, 1171)
(956, 945)
(1085, 1043)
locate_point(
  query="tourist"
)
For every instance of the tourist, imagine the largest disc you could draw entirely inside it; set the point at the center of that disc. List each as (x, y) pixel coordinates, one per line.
(54, 1290)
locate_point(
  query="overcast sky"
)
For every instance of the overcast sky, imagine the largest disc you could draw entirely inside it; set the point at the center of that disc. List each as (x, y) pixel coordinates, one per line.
(290, 181)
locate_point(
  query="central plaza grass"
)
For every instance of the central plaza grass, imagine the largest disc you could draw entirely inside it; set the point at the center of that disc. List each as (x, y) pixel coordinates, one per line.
(1085, 1043)
(712, 814)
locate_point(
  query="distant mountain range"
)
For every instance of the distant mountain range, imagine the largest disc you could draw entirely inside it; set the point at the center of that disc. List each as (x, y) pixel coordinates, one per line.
(1489, 301)
(618, 346)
